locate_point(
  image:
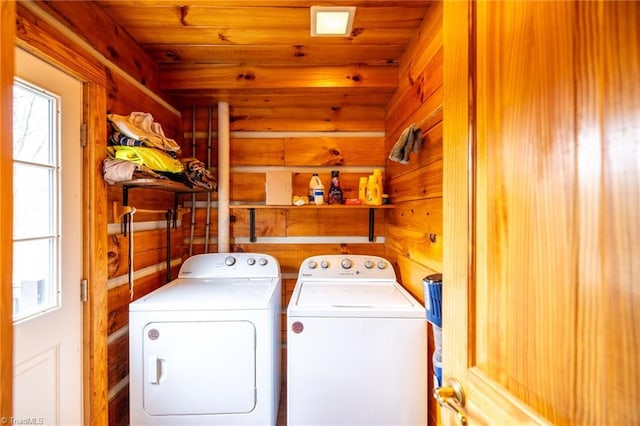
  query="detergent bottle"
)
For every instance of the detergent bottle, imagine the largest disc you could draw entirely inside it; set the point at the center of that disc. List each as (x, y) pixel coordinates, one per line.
(316, 190)
(374, 191)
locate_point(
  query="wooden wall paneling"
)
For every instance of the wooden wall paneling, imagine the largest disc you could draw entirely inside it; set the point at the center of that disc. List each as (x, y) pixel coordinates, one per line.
(425, 182)
(37, 36)
(322, 123)
(175, 78)
(119, 408)
(247, 187)
(118, 359)
(257, 151)
(332, 222)
(419, 88)
(7, 42)
(334, 151)
(269, 222)
(150, 249)
(327, 97)
(84, 18)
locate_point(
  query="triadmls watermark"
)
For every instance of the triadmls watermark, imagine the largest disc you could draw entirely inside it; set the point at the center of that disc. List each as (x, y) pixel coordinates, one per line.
(21, 420)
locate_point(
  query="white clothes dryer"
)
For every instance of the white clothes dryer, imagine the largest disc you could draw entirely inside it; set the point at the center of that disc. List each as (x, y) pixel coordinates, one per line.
(205, 348)
(356, 346)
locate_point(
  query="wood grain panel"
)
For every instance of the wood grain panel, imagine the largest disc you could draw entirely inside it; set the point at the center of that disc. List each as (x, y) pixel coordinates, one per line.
(310, 124)
(422, 183)
(257, 152)
(150, 249)
(344, 222)
(269, 223)
(263, 77)
(328, 97)
(608, 108)
(285, 54)
(36, 36)
(328, 151)
(119, 408)
(85, 17)
(118, 359)
(7, 43)
(247, 187)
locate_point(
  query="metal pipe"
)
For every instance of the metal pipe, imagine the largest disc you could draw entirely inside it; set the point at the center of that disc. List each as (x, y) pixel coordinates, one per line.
(223, 178)
(193, 196)
(208, 224)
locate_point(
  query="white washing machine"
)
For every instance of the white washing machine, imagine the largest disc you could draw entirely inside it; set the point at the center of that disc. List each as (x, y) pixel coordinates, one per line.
(356, 346)
(205, 348)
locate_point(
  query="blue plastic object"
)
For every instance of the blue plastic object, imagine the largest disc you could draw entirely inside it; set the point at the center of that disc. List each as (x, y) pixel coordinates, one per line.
(432, 286)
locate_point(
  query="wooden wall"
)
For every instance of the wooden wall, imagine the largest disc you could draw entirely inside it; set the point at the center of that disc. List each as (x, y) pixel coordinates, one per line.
(414, 227)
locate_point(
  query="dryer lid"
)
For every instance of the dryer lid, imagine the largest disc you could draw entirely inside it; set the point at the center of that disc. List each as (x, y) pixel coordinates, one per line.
(336, 298)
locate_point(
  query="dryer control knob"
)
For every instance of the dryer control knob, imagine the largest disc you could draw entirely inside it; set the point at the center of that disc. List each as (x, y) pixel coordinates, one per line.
(324, 264)
(263, 261)
(382, 265)
(346, 263)
(251, 261)
(368, 264)
(312, 264)
(229, 260)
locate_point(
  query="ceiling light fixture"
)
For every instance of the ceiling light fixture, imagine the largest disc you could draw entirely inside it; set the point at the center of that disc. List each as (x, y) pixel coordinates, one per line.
(331, 21)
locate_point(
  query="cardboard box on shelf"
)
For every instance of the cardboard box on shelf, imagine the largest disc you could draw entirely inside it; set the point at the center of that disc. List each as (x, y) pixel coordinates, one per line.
(278, 188)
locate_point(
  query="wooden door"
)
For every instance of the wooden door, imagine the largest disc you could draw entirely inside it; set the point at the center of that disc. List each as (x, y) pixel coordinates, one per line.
(541, 210)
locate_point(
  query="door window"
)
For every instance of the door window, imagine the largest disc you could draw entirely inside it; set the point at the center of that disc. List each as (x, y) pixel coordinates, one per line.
(36, 221)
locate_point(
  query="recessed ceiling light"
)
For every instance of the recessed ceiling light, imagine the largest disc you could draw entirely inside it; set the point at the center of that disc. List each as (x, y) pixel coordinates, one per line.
(331, 21)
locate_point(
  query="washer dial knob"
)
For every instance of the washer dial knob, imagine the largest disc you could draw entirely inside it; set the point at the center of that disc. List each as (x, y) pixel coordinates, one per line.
(346, 263)
(324, 264)
(382, 265)
(368, 264)
(312, 264)
(263, 261)
(229, 260)
(251, 261)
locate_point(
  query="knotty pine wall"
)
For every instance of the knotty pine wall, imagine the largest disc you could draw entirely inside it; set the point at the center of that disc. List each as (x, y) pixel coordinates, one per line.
(413, 237)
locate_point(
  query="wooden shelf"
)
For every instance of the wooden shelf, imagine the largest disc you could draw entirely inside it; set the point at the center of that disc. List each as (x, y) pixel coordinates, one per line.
(310, 206)
(252, 213)
(162, 185)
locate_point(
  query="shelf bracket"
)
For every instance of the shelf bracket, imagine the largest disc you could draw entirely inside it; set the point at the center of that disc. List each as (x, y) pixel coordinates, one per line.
(372, 218)
(252, 225)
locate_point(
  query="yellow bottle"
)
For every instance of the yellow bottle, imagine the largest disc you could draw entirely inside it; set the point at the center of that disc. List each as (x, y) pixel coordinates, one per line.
(362, 189)
(378, 174)
(374, 191)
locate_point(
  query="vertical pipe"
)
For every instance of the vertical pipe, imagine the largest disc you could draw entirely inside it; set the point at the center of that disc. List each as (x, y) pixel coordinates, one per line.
(193, 196)
(223, 177)
(208, 224)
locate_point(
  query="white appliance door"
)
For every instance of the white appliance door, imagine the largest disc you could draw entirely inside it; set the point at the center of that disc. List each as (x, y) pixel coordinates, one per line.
(199, 368)
(357, 371)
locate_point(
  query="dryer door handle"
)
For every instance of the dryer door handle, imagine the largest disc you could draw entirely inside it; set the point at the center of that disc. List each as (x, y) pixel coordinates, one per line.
(154, 369)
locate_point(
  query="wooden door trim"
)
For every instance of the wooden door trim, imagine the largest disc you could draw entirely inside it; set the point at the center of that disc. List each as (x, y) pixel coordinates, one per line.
(7, 41)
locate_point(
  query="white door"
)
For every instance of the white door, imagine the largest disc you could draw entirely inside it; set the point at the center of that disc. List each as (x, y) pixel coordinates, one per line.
(47, 244)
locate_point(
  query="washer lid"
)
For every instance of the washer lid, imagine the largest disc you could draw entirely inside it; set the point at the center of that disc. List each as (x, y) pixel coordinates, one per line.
(362, 299)
(208, 294)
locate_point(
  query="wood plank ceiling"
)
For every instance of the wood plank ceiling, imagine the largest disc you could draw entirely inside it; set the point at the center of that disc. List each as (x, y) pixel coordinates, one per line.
(260, 52)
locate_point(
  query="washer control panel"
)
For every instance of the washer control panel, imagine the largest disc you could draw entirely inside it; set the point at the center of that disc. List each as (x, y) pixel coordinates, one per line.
(233, 265)
(337, 266)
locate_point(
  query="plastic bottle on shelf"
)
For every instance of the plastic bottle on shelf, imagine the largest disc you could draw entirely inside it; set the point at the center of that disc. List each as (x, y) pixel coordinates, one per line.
(378, 174)
(335, 192)
(362, 189)
(316, 190)
(374, 191)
